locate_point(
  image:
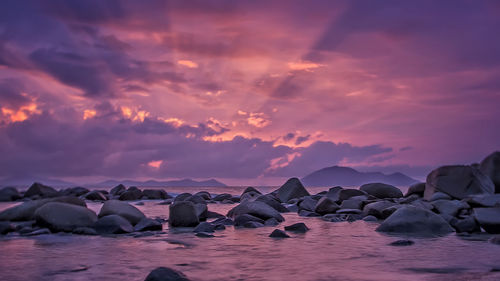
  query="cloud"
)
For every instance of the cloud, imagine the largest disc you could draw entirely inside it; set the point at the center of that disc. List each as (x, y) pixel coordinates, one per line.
(188, 63)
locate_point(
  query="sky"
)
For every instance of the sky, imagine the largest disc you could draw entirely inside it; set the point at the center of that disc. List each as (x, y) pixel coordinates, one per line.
(248, 92)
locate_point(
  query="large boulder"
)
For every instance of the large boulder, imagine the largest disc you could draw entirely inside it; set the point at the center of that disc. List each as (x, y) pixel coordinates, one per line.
(250, 189)
(325, 206)
(257, 209)
(155, 194)
(415, 221)
(117, 190)
(40, 190)
(64, 217)
(345, 194)
(147, 224)
(417, 188)
(458, 181)
(381, 190)
(308, 204)
(113, 224)
(9, 194)
(273, 202)
(132, 193)
(490, 166)
(165, 274)
(26, 210)
(95, 195)
(127, 211)
(75, 191)
(488, 219)
(293, 188)
(376, 208)
(183, 214)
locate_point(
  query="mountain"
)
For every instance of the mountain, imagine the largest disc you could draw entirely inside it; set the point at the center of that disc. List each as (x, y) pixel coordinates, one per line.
(176, 183)
(28, 181)
(346, 176)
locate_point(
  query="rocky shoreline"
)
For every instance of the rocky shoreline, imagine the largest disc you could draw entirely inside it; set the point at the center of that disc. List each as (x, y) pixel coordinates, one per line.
(461, 199)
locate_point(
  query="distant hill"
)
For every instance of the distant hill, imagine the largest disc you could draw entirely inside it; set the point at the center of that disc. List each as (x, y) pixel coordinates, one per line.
(22, 182)
(153, 183)
(346, 176)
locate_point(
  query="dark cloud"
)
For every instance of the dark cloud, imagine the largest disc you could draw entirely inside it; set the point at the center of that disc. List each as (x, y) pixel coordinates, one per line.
(301, 139)
(11, 94)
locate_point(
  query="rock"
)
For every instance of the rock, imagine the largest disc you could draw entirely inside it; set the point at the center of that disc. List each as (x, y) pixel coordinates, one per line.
(214, 215)
(6, 227)
(95, 196)
(495, 240)
(183, 214)
(305, 213)
(204, 235)
(382, 190)
(468, 224)
(297, 227)
(249, 196)
(422, 204)
(352, 204)
(484, 200)
(334, 193)
(165, 274)
(182, 197)
(75, 191)
(252, 224)
(204, 194)
(390, 210)
(205, 227)
(118, 190)
(408, 200)
(84, 231)
(147, 224)
(113, 224)
(349, 211)
(292, 208)
(402, 243)
(417, 188)
(40, 190)
(488, 219)
(277, 233)
(222, 197)
(223, 221)
(251, 189)
(26, 210)
(127, 211)
(132, 193)
(370, 218)
(449, 207)
(415, 221)
(273, 202)
(64, 217)
(308, 204)
(242, 219)
(293, 188)
(458, 181)
(9, 194)
(375, 209)
(166, 202)
(490, 166)
(201, 211)
(271, 222)
(36, 232)
(219, 227)
(257, 209)
(345, 194)
(196, 199)
(325, 206)
(440, 196)
(155, 194)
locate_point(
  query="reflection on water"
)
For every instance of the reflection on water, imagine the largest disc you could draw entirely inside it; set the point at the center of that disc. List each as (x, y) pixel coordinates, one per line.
(329, 251)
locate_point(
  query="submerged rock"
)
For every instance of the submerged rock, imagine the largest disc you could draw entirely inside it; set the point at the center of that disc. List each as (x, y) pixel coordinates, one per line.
(458, 181)
(297, 227)
(127, 211)
(415, 221)
(183, 214)
(113, 224)
(293, 188)
(381, 190)
(165, 274)
(277, 233)
(64, 217)
(402, 243)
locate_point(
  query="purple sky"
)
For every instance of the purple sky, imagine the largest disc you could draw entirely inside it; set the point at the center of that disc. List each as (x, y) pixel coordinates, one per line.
(249, 92)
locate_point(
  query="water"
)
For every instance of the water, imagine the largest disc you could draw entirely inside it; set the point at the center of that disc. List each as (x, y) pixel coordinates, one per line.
(329, 251)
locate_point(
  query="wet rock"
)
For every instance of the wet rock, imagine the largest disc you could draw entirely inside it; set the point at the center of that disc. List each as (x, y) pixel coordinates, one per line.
(118, 190)
(249, 196)
(214, 215)
(273, 202)
(458, 181)
(251, 189)
(127, 211)
(84, 231)
(201, 211)
(113, 224)
(370, 218)
(271, 222)
(26, 210)
(165, 274)
(352, 204)
(468, 225)
(277, 233)
(204, 235)
(345, 194)
(204, 194)
(417, 188)
(252, 224)
(64, 217)
(222, 197)
(257, 209)
(293, 188)
(402, 243)
(415, 221)
(242, 219)
(95, 196)
(308, 204)
(334, 193)
(449, 207)
(375, 209)
(8, 194)
(488, 219)
(132, 193)
(440, 196)
(155, 194)
(205, 227)
(490, 166)
(223, 221)
(147, 224)
(309, 214)
(41, 190)
(6, 227)
(381, 190)
(325, 206)
(182, 197)
(297, 227)
(183, 214)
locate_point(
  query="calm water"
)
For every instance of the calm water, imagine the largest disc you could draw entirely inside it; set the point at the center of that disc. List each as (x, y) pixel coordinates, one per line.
(329, 251)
